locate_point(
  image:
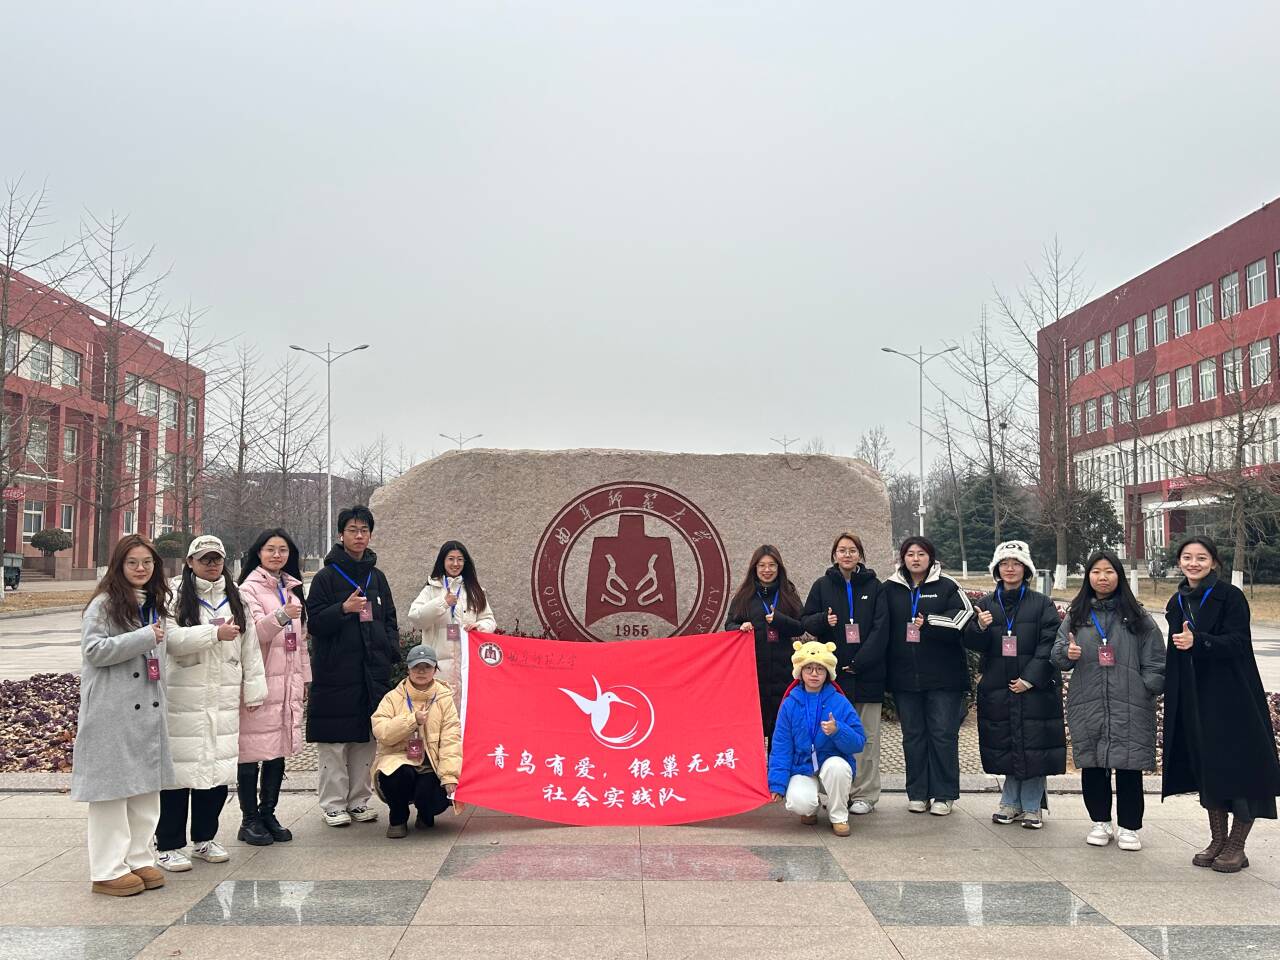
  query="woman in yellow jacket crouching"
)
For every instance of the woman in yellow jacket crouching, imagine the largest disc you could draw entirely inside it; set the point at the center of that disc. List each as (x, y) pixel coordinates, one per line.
(419, 745)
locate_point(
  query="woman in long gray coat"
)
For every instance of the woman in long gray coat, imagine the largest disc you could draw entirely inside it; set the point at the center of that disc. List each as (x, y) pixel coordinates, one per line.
(121, 755)
(1115, 653)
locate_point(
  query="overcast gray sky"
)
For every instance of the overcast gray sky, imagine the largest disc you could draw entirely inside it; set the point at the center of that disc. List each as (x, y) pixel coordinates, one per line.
(679, 226)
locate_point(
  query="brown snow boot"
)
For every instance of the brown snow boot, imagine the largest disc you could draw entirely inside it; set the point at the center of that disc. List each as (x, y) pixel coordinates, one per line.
(1232, 858)
(1217, 838)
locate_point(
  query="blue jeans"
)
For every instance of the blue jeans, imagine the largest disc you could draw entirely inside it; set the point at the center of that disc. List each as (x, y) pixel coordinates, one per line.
(1025, 795)
(931, 742)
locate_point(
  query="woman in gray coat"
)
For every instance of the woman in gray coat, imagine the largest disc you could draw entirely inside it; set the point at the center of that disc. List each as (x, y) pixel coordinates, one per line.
(121, 757)
(1115, 653)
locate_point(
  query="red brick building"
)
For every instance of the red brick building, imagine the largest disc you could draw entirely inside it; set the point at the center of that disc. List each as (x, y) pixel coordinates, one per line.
(1165, 371)
(55, 401)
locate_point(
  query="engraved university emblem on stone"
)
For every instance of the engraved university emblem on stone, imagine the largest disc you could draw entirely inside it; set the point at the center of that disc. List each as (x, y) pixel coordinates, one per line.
(629, 560)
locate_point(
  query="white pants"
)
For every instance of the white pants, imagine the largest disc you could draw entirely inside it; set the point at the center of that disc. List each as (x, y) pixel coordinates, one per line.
(834, 779)
(344, 782)
(120, 833)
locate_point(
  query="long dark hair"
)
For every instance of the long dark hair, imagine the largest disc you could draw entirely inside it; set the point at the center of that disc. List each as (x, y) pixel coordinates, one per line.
(475, 593)
(122, 602)
(788, 598)
(1127, 605)
(251, 561)
(188, 598)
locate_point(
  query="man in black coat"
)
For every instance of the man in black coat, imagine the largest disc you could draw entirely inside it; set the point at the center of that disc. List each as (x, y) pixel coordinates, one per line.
(355, 642)
(849, 595)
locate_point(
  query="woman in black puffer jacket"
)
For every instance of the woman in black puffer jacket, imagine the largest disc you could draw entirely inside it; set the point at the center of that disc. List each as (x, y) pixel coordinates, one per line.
(767, 605)
(846, 606)
(1020, 729)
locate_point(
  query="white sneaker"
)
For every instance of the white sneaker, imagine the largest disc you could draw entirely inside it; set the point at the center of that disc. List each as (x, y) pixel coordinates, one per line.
(211, 851)
(175, 861)
(918, 806)
(861, 807)
(363, 814)
(1100, 835)
(337, 818)
(940, 808)
(1128, 840)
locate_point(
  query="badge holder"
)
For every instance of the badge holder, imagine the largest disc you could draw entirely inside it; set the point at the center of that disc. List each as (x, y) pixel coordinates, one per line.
(1106, 655)
(1009, 645)
(913, 632)
(453, 633)
(366, 612)
(153, 669)
(852, 634)
(290, 638)
(413, 751)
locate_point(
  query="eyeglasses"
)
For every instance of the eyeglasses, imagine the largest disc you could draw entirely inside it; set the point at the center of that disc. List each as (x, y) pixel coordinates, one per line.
(356, 531)
(209, 559)
(847, 552)
(139, 564)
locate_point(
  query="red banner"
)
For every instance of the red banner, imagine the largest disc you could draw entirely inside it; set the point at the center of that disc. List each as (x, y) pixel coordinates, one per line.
(643, 733)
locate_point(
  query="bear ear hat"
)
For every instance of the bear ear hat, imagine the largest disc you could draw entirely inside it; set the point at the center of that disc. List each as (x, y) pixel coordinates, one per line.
(797, 645)
(831, 647)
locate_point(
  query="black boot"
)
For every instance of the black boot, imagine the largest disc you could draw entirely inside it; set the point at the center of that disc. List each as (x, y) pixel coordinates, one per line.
(251, 829)
(272, 777)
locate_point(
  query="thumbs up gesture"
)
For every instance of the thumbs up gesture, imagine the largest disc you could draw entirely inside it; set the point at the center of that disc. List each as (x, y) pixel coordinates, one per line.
(984, 618)
(1073, 648)
(1186, 638)
(831, 617)
(829, 724)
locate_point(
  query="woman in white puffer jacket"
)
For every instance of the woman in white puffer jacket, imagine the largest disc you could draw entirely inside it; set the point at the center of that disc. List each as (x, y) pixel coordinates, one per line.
(452, 601)
(213, 662)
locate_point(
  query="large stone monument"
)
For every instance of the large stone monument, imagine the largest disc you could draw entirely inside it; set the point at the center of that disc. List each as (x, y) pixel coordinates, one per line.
(623, 544)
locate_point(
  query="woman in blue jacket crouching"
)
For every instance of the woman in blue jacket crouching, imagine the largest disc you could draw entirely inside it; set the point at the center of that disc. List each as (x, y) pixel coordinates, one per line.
(815, 739)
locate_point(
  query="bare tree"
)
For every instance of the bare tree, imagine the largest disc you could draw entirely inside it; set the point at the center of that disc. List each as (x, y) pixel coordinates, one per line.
(1052, 292)
(31, 308)
(875, 447)
(987, 398)
(296, 428)
(126, 293)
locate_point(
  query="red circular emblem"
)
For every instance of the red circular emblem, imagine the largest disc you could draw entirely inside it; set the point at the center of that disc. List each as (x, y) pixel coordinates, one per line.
(630, 560)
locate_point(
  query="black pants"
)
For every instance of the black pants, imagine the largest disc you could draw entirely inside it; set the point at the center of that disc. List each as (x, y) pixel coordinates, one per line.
(407, 786)
(931, 722)
(206, 807)
(1095, 784)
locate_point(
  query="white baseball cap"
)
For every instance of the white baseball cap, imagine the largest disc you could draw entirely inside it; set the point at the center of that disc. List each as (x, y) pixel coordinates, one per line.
(206, 543)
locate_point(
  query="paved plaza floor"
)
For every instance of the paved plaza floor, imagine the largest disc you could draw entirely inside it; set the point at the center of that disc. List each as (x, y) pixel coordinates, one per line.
(758, 886)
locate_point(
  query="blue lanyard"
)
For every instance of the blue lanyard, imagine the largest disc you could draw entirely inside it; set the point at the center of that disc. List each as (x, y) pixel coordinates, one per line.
(210, 607)
(1102, 633)
(280, 591)
(409, 700)
(142, 614)
(1008, 620)
(344, 576)
(453, 611)
(915, 601)
(813, 723)
(1186, 616)
(848, 591)
(765, 603)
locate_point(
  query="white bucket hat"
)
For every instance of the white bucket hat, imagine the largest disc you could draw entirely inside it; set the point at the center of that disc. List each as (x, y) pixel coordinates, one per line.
(1013, 550)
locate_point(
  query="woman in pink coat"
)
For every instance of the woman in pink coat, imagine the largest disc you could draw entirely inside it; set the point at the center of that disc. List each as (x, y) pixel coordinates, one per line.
(271, 587)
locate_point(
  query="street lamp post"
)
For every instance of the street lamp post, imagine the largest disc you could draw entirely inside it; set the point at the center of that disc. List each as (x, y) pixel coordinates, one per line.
(328, 357)
(920, 360)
